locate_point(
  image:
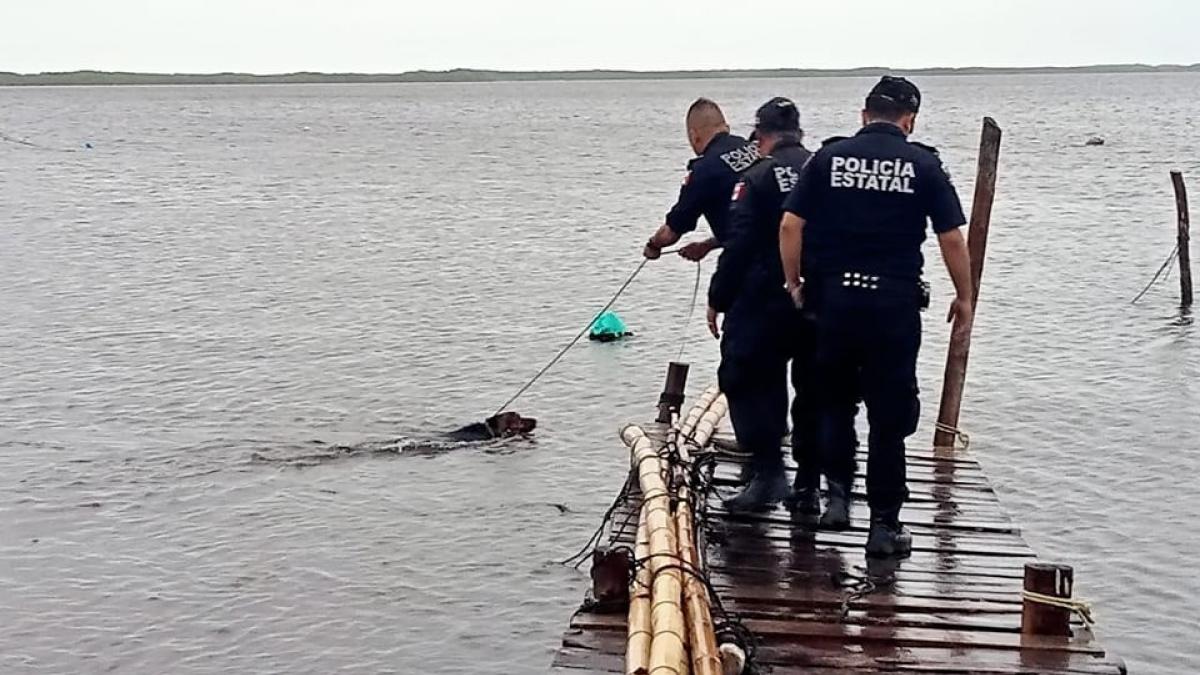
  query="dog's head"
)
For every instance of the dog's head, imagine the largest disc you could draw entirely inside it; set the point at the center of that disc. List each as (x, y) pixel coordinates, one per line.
(508, 424)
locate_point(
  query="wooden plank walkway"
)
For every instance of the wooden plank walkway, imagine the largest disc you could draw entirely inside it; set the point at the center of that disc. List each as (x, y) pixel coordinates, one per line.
(954, 606)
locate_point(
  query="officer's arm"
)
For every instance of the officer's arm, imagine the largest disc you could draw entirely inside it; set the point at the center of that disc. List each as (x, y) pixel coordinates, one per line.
(796, 210)
(946, 216)
(736, 257)
(958, 262)
(791, 245)
(683, 217)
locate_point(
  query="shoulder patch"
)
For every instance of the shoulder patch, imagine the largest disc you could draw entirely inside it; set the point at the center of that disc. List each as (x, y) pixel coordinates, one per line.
(937, 157)
(926, 148)
(833, 139)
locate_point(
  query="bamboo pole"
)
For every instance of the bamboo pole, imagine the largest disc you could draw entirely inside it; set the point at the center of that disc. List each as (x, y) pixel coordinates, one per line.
(637, 648)
(687, 425)
(960, 341)
(1184, 238)
(706, 657)
(668, 650)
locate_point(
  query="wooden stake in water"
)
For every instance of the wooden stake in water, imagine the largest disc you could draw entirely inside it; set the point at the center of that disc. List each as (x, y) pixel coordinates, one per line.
(1185, 254)
(960, 342)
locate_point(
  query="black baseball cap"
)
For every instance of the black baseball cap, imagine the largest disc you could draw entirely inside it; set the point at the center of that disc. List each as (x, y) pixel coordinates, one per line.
(779, 115)
(896, 91)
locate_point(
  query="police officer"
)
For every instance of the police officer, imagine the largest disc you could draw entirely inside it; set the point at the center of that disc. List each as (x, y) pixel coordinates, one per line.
(708, 183)
(851, 238)
(760, 320)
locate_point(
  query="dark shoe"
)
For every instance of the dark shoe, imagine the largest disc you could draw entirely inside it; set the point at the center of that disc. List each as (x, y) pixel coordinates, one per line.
(837, 508)
(804, 500)
(888, 539)
(762, 494)
(746, 474)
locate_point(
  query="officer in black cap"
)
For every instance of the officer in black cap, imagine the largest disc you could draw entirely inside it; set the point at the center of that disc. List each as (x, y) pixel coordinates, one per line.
(760, 322)
(708, 183)
(850, 240)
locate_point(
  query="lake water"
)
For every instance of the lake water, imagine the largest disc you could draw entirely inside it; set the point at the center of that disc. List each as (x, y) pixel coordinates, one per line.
(232, 279)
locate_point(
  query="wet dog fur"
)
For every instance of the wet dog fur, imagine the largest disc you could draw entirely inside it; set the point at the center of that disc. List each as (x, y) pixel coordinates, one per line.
(504, 425)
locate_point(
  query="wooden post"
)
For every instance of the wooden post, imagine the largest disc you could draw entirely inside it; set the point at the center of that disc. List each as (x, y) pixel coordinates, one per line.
(1185, 253)
(1057, 581)
(672, 396)
(960, 341)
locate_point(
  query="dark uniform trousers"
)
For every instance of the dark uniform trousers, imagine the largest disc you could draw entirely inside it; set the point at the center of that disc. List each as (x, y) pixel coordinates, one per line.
(755, 351)
(867, 344)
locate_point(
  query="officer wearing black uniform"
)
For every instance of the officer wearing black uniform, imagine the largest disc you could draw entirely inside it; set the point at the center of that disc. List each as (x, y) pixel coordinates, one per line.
(708, 183)
(760, 322)
(851, 239)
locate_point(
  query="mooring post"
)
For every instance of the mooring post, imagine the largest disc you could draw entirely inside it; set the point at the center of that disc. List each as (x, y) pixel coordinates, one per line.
(672, 396)
(1056, 581)
(1185, 253)
(960, 341)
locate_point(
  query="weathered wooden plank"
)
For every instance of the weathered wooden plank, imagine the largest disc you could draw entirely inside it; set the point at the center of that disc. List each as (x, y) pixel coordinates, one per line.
(919, 521)
(797, 631)
(586, 649)
(930, 535)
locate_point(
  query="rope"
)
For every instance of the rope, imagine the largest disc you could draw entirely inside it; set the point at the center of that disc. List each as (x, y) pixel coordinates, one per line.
(1170, 261)
(575, 340)
(960, 437)
(1079, 607)
(683, 341)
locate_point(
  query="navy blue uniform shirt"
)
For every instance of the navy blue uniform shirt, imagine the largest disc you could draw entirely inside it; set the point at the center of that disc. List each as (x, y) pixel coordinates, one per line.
(750, 262)
(709, 183)
(866, 201)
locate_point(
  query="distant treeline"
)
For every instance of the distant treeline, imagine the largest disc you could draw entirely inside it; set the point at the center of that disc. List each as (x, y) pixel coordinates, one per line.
(93, 77)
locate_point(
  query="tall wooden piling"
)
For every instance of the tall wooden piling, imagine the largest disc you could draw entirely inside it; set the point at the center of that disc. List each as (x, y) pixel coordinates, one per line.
(1184, 238)
(960, 341)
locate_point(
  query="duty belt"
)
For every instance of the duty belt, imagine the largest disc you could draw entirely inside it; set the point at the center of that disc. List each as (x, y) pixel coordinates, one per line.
(860, 280)
(875, 282)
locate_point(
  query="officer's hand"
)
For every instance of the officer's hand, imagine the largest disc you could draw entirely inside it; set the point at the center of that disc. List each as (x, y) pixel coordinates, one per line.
(797, 293)
(696, 250)
(652, 251)
(712, 323)
(961, 314)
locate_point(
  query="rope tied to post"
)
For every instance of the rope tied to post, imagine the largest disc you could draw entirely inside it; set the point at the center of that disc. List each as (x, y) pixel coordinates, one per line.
(962, 439)
(1079, 607)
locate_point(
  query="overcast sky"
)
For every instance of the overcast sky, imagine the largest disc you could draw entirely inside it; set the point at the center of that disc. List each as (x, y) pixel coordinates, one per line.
(265, 36)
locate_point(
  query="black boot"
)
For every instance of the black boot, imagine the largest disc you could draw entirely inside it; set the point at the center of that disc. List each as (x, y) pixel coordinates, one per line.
(805, 499)
(837, 508)
(766, 489)
(746, 474)
(888, 538)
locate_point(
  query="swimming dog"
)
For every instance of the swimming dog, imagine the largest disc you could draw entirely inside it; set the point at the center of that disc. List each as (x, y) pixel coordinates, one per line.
(504, 425)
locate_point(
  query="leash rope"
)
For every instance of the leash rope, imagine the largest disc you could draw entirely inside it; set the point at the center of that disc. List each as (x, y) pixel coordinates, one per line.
(683, 340)
(575, 340)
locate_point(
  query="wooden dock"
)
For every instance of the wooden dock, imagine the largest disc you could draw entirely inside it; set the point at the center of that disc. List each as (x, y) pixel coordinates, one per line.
(817, 605)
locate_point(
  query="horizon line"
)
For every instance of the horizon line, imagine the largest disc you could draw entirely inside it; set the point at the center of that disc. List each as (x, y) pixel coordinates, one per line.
(465, 74)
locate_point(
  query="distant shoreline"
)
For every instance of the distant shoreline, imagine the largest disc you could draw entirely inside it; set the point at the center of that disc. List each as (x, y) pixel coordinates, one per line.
(93, 78)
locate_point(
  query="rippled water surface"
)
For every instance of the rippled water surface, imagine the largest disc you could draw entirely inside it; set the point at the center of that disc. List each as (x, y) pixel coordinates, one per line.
(233, 281)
